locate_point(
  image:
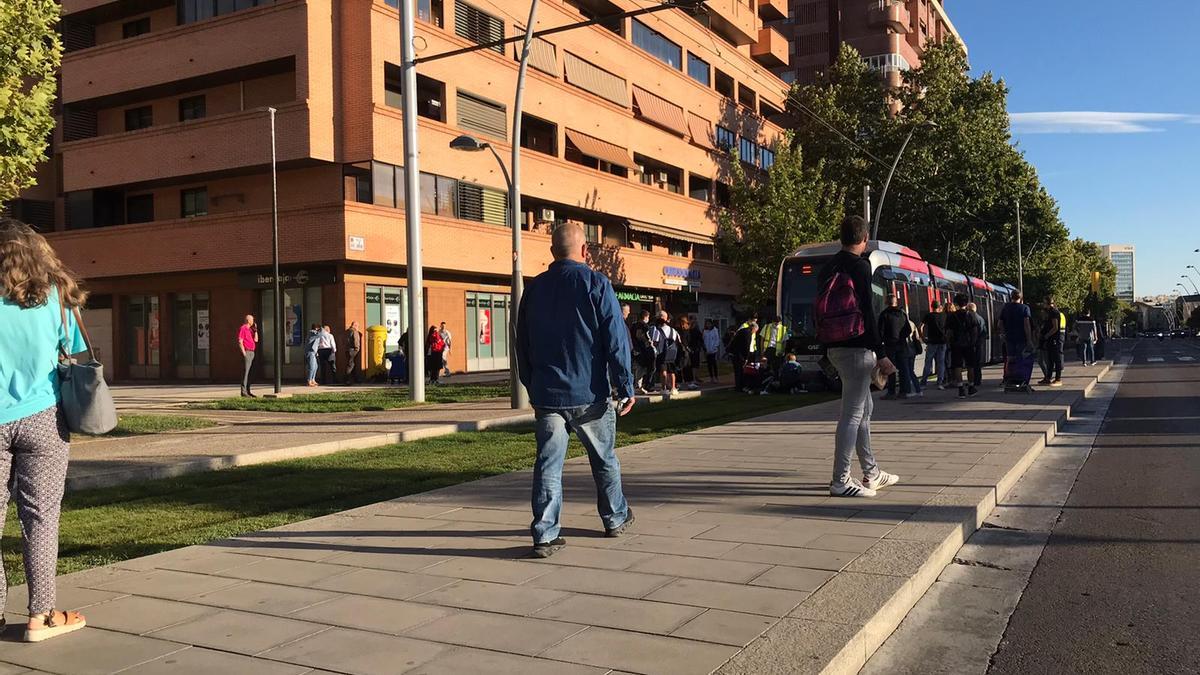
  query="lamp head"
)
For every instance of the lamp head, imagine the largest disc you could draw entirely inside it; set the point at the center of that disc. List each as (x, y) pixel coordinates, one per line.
(468, 144)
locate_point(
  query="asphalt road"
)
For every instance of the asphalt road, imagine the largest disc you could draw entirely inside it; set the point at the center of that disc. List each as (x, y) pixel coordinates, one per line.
(1117, 589)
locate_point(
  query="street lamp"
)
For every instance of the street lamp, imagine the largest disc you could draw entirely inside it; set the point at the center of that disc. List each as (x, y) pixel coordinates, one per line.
(883, 196)
(518, 395)
(1189, 280)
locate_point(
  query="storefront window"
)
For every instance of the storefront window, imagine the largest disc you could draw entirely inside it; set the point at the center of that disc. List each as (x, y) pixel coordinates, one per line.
(190, 335)
(301, 308)
(487, 331)
(142, 336)
(387, 306)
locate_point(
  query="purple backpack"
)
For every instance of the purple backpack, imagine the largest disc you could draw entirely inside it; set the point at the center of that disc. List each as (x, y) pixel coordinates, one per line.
(838, 316)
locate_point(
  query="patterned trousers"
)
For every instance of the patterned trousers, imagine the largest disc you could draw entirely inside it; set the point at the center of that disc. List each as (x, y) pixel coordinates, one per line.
(33, 464)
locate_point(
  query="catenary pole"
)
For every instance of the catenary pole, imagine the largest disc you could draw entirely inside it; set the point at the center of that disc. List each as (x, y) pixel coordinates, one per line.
(1020, 254)
(519, 397)
(415, 349)
(277, 306)
(867, 203)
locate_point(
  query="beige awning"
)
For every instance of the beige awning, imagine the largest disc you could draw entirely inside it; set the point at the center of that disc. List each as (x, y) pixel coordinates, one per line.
(659, 111)
(670, 232)
(593, 78)
(594, 147)
(701, 131)
(542, 55)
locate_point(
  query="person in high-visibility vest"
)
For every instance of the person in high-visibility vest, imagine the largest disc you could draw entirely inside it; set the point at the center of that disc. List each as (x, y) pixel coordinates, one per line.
(1054, 327)
(774, 339)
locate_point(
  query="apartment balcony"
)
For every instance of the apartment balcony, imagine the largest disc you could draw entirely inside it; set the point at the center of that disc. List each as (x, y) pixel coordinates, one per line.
(770, 10)
(735, 19)
(771, 50)
(892, 14)
(77, 6)
(241, 40)
(198, 147)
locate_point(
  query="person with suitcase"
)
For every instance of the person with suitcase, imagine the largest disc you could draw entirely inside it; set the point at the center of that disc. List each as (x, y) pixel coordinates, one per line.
(1015, 324)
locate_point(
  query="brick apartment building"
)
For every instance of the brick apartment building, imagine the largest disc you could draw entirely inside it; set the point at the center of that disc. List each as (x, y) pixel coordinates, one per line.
(890, 34)
(159, 190)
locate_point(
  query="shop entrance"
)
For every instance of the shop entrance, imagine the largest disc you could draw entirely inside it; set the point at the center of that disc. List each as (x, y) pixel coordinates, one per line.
(191, 337)
(387, 306)
(141, 337)
(301, 307)
(487, 331)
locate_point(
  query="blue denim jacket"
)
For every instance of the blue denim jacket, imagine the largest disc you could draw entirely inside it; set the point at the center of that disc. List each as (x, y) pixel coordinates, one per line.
(571, 340)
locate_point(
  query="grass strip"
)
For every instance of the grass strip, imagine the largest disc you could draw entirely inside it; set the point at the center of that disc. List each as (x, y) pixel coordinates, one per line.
(380, 398)
(140, 425)
(108, 525)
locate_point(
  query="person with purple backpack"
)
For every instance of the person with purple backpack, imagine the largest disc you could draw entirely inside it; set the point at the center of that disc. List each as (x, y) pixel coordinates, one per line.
(855, 349)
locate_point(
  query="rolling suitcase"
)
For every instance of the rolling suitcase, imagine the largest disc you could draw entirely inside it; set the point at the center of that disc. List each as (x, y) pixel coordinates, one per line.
(1018, 371)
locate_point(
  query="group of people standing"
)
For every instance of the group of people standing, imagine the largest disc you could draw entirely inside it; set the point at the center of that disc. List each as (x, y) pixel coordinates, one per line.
(320, 355)
(665, 354)
(952, 337)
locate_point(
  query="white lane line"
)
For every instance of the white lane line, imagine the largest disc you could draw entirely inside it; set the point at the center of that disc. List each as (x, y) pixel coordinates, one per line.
(1154, 359)
(1187, 358)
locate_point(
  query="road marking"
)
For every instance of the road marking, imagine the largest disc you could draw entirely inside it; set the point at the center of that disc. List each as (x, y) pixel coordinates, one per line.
(1154, 359)
(1187, 358)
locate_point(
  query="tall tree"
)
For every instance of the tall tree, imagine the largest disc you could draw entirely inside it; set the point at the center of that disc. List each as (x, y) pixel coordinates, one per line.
(771, 215)
(30, 51)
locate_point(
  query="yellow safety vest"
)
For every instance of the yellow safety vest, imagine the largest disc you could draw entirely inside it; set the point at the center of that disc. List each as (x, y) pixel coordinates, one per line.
(774, 336)
(753, 337)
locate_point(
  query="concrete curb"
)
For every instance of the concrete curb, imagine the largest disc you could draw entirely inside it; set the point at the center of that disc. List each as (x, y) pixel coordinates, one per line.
(895, 573)
(144, 473)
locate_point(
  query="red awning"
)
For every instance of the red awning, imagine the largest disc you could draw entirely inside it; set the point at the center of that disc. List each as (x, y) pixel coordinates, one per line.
(594, 147)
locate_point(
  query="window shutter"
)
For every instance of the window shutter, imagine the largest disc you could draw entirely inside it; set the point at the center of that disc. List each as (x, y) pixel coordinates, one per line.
(477, 26)
(482, 204)
(595, 79)
(485, 117)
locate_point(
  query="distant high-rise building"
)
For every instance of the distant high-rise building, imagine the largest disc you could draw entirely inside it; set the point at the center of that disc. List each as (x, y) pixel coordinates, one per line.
(891, 35)
(1122, 257)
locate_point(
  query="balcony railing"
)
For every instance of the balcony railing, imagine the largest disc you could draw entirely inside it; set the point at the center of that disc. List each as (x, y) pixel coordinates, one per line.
(771, 49)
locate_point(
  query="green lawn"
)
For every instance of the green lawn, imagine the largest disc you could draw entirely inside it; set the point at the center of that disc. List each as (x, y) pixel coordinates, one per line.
(105, 526)
(351, 401)
(138, 425)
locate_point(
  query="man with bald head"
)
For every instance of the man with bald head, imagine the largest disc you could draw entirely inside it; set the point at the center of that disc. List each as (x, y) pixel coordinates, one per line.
(572, 353)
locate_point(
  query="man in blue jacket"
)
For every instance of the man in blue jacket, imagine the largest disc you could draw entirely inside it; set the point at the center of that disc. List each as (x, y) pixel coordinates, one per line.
(572, 353)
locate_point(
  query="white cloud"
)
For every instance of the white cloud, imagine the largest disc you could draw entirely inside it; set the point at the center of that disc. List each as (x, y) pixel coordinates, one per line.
(1085, 122)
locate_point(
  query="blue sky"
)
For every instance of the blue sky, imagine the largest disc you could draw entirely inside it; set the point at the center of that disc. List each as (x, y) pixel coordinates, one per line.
(1118, 140)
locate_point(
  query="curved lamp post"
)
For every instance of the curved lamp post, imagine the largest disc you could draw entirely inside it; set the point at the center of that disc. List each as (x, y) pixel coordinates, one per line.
(1189, 280)
(883, 195)
(518, 395)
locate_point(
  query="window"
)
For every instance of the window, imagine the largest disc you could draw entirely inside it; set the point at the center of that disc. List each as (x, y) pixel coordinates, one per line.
(725, 138)
(139, 209)
(767, 110)
(477, 26)
(788, 76)
(596, 9)
(699, 70)
(193, 202)
(191, 108)
(356, 183)
(725, 85)
(430, 93)
(429, 11)
(641, 241)
(699, 187)
(655, 173)
(678, 248)
(813, 43)
(189, 11)
(722, 193)
(439, 195)
(383, 184)
(747, 97)
(134, 28)
(139, 118)
(748, 151)
(482, 116)
(539, 135)
(656, 44)
(766, 158)
(482, 204)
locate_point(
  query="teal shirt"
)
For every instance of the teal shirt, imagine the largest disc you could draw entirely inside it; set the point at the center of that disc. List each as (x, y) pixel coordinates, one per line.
(29, 340)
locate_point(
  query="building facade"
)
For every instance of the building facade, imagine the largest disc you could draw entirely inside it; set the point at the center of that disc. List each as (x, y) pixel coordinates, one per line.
(889, 34)
(159, 193)
(1122, 257)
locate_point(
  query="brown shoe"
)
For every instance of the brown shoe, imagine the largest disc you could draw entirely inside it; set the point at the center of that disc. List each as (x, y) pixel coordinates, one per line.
(54, 624)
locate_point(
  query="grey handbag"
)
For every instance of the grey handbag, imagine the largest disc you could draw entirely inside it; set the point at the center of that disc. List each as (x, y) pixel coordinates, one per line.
(87, 404)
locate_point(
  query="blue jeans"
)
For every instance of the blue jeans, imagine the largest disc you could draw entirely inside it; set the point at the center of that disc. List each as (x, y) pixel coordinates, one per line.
(596, 427)
(935, 357)
(905, 362)
(311, 360)
(1089, 352)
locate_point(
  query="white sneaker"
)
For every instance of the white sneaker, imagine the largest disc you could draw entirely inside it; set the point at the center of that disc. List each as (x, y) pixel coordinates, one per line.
(852, 488)
(673, 392)
(881, 480)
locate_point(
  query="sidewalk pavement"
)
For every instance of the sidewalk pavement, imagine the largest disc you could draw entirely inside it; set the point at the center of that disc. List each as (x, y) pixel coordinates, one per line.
(254, 437)
(739, 562)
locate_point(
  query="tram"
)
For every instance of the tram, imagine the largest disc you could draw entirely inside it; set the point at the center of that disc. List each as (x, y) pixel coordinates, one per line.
(894, 269)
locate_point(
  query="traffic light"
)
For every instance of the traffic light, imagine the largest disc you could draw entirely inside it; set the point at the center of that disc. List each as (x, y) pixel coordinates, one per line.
(1096, 283)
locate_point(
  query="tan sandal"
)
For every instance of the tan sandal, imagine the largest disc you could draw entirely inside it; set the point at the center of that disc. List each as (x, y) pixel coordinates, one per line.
(71, 622)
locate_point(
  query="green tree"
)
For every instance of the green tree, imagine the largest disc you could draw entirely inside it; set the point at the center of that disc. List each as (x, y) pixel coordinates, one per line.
(771, 215)
(30, 51)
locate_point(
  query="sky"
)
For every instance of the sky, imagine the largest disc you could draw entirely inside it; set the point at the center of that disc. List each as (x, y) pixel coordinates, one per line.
(1105, 102)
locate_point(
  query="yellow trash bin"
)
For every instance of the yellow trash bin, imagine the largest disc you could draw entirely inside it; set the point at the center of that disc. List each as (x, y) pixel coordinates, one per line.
(376, 346)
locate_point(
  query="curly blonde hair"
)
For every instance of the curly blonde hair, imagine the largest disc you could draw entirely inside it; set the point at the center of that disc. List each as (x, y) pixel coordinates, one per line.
(29, 268)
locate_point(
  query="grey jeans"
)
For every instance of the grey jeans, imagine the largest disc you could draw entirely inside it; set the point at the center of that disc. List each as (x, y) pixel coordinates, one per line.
(854, 367)
(248, 357)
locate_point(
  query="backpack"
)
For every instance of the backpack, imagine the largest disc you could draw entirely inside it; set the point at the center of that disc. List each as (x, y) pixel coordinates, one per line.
(966, 330)
(839, 318)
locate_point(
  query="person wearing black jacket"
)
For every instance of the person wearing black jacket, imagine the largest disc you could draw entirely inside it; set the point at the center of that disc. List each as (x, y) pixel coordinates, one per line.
(963, 335)
(741, 350)
(896, 332)
(855, 359)
(643, 353)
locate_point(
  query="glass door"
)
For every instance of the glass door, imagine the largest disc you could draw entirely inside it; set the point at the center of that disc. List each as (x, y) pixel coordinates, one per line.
(141, 336)
(191, 335)
(301, 308)
(487, 331)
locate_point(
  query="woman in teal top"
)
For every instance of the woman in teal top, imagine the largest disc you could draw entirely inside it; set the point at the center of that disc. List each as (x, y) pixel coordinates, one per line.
(35, 289)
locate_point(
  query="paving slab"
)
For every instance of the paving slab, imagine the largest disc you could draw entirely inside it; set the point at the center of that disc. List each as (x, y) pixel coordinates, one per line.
(739, 562)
